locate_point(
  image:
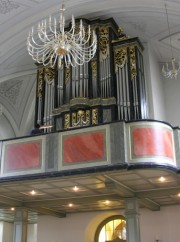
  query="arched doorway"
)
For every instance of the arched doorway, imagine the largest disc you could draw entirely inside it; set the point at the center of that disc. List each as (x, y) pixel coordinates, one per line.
(112, 228)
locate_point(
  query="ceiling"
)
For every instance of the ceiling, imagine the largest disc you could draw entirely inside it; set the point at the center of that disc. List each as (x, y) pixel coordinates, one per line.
(94, 192)
(142, 18)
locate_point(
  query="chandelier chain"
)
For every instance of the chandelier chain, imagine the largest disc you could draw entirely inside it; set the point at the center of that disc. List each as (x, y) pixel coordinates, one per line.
(170, 40)
(166, 71)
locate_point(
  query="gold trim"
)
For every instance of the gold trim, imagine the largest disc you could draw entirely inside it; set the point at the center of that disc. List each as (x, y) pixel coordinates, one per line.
(80, 118)
(104, 41)
(66, 121)
(94, 116)
(40, 82)
(88, 117)
(120, 57)
(94, 69)
(74, 119)
(132, 62)
(49, 74)
(67, 74)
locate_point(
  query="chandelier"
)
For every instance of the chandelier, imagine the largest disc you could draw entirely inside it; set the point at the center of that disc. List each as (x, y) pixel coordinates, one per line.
(166, 71)
(51, 43)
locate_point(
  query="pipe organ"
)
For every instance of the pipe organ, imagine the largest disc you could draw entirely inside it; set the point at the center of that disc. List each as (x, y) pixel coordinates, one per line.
(110, 87)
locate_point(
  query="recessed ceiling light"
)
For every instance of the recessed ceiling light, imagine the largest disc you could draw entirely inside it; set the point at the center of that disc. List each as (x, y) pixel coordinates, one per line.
(107, 202)
(70, 205)
(33, 192)
(75, 188)
(162, 179)
(178, 195)
(12, 209)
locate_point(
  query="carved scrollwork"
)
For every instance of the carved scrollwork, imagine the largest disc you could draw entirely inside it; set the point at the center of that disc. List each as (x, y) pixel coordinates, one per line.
(120, 57)
(40, 82)
(87, 117)
(94, 69)
(67, 121)
(49, 74)
(132, 62)
(80, 115)
(67, 74)
(81, 118)
(104, 41)
(74, 119)
(94, 116)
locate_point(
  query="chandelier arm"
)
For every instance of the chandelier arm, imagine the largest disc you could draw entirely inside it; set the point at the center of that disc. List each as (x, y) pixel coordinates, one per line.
(55, 31)
(82, 38)
(73, 64)
(72, 29)
(48, 37)
(78, 53)
(70, 61)
(85, 42)
(46, 53)
(76, 58)
(81, 58)
(50, 26)
(43, 37)
(89, 48)
(44, 33)
(53, 61)
(85, 38)
(35, 43)
(42, 49)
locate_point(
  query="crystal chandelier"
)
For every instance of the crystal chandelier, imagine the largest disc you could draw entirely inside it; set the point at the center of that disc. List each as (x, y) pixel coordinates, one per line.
(170, 73)
(52, 44)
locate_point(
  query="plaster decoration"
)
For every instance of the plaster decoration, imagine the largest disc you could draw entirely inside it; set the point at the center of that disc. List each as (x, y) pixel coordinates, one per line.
(11, 90)
(7, 6)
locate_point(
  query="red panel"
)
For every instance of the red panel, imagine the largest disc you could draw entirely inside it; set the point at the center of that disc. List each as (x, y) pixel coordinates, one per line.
(84, 147)
(22, 156)
(152, 142)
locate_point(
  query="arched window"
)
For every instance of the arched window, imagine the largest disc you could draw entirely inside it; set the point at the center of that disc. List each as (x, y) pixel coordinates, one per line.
(112, 229)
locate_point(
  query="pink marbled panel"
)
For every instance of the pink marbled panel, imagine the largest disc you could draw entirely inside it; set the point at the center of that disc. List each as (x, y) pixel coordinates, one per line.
(84, 147)
(22, 156)
(152, 141)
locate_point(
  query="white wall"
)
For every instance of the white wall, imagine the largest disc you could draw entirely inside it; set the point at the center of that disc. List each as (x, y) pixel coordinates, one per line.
(163, 224)
(155, 85)
(7, 235)
(172, 100)
(81, 227)
(78, 227)
(6, 130)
